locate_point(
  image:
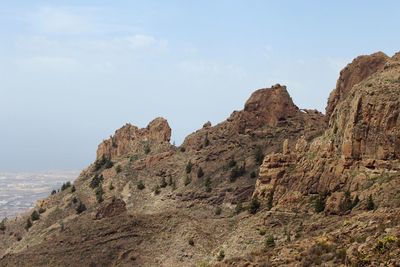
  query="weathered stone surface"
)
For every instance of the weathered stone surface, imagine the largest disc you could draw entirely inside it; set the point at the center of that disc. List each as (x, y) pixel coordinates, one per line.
(116, 207)
(355, 72)
(132, 140)
(362, 140)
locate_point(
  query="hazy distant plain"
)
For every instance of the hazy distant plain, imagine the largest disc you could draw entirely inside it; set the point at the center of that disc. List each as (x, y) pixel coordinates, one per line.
(20, 191)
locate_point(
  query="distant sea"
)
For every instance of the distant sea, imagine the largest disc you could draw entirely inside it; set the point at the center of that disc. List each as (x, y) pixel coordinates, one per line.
(20, 191)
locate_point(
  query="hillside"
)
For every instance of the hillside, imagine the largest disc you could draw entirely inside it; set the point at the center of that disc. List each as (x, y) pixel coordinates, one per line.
(273, 185)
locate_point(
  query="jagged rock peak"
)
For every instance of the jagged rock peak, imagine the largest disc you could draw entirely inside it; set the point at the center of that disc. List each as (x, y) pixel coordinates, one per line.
(358, 70)
(272, 104)
(131, 139)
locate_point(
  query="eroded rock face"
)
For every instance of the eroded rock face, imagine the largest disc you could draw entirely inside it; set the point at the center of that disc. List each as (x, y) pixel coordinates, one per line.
(362, 141)
(130, 139)
(116, 207)
(355, 72)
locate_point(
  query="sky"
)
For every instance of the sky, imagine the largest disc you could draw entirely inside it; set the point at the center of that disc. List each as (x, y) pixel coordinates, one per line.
(72, 72)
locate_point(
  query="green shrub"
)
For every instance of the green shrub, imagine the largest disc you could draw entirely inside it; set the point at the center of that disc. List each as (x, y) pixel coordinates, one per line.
(270, 242)
(207, 185)
(259, 155)
(239, 207)
(221, 255)
(270, 200)
(80, 208)
(319, 204)
(53, 192)
(65, 186)
(232, 163)
(157, 190)
(188, 180)
(147, 149)
(253, 175)
(109, 164)
(370, 203)
(42, 210)
(189, 167)
(96, 181)
(254, 205)
(73, 189)
(200, 172)
(384, 244)
(140, 185)
(163, 183)
(206, 141)
(218, 211)
(74, 200)
(111, 187)
(118, 169)
(191, 242)
(3, 225)
(99, 194)
(236, 172)
(35, 216)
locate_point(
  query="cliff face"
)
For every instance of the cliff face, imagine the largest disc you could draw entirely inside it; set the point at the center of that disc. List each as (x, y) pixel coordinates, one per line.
(360, 145)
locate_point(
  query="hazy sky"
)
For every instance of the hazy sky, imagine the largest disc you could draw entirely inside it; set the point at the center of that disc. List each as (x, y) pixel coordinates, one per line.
(72, 72)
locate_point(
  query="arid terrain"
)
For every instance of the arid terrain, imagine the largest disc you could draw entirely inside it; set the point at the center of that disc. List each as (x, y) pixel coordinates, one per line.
(272, 185)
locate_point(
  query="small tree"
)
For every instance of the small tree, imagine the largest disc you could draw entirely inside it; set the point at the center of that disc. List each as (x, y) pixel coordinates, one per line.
(141, 185)
(118, 169)
(80, 208)
(73, 189)
(218, 211)
(319, 204)
(35, 216)
(259, 155)
(163, 183)
(111, 187)
(96, 181)
(207, 185)
(191, 242)
(270, 242)
(188, 180)
(147, 149)
(270, 200)
(356, 200)
(239, 207)
(221, 255)
(53, 192)
(370, 203)
(189, 167)
(253, 175)
(3, 225)
(157, 190)
(200, 172)
(232, 163)
(206, 141)
(254, 205)
(99, 194)
(109, 164)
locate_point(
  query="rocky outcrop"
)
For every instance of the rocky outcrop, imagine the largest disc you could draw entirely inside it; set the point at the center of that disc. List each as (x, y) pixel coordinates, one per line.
(362, 140)
(355, 72)
(132, 140)
(115, 208)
